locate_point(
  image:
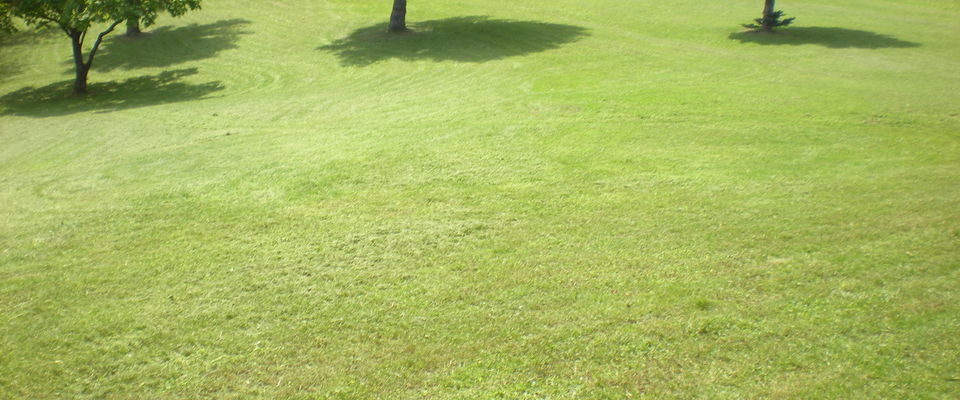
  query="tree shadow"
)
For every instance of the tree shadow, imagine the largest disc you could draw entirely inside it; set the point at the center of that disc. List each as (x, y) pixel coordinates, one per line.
(10, 68)
(142, 91)
(167, 45)
(837, 38)
(26, 37)
(466, 39)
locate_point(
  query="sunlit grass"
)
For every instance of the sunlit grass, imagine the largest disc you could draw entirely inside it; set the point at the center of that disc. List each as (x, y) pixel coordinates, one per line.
(534, 199)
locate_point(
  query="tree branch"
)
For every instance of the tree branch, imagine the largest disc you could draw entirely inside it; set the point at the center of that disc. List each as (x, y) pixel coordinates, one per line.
(45, 17)
(96, 45)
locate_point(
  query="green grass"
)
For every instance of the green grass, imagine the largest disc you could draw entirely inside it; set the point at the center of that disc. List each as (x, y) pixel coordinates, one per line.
(519, 200)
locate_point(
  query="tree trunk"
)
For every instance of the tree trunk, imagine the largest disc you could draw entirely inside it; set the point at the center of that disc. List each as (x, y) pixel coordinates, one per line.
(768, 9)
(398, 19)
(133, 19)
(80, 83)
(83, 69)
(133, 27)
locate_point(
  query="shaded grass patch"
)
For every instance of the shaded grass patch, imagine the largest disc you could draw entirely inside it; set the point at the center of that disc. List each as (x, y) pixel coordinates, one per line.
(832, 37)
(472, 39)
(168, 45)
(142, 91)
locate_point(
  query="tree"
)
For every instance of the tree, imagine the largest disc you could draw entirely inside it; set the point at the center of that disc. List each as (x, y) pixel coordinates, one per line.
(144, 12)
(398, 18)
(770, 18)
(77, 17)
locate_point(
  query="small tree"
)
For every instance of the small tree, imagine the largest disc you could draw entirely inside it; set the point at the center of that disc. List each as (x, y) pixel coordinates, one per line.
(398, 18)
(770, 18)
(76, 17)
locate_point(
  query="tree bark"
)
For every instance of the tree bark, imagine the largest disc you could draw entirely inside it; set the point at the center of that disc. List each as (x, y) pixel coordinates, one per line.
(133, 27)
(82, 68)
(133, 19)
(768, 9)
(398, 19)
(80, 82)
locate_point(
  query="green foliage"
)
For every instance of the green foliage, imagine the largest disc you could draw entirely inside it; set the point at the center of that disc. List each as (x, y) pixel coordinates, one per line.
(148, 10)
(6, 20)
(79, 15)
(75, 15)
(770, 21)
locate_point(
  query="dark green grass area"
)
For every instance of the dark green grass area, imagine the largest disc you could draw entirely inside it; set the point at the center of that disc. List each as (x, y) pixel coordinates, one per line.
(167, 46)
(515, 200)
(142, 91)
(463, 39)
(837, 38)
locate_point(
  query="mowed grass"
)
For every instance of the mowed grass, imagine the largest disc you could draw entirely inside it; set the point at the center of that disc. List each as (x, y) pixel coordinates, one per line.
(561, 200)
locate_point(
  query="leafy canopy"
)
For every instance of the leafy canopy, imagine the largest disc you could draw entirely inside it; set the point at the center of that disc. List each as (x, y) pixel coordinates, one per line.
(79, 15)
(147, 10)
(69, 15)
(6, 24)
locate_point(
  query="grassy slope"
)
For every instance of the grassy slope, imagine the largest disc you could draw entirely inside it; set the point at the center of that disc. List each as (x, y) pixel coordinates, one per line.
(561, 200)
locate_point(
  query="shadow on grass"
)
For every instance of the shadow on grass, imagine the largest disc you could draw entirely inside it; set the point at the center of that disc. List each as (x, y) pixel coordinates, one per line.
(837, 38)
(466, 39)
(10, 67)
(142, 91)
(167, 46)
(29, 36)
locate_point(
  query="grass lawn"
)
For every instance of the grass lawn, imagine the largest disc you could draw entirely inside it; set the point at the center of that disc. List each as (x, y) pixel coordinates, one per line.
(519, 200)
